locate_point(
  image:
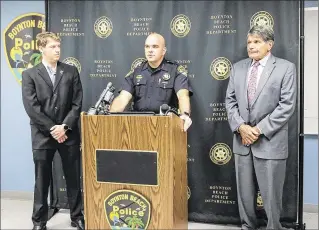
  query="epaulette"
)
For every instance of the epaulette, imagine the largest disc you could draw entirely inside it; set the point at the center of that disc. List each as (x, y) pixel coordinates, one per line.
(180, 68)
(171, 62)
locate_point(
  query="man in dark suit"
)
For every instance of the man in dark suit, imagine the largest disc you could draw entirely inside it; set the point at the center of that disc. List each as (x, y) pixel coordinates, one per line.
(52, 97)
(260, 99)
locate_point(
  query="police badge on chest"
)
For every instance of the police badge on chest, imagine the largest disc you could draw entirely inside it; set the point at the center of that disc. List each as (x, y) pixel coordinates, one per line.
(164, 79)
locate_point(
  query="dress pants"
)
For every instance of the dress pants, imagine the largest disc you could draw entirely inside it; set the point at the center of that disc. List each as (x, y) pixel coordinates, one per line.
(70, 156)
(270, 175)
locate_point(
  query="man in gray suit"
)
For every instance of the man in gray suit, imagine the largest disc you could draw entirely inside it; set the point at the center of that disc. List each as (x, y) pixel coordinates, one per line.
(260, 99)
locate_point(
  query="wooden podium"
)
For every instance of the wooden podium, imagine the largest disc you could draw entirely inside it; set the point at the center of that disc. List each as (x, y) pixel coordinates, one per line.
(145, 154)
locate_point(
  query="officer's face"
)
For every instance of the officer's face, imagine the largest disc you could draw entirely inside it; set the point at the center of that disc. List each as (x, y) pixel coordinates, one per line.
(257, 48)
(154, 48)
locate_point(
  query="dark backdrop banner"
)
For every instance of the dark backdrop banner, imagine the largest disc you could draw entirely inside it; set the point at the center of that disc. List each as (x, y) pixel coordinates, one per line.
(105, 40)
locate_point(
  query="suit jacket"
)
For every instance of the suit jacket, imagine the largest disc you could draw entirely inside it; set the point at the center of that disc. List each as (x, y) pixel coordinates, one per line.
(273, 105)
(48, 105)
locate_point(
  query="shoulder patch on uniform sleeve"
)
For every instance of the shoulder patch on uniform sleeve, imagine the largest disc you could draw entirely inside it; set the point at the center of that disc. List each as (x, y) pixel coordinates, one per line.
(139, 62)
(182, 69)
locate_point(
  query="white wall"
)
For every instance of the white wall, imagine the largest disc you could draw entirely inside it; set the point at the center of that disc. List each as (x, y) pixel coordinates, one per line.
(311, 71)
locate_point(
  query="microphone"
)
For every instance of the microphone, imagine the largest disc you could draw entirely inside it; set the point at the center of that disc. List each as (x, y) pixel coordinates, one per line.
(106, 96)
(163, 109)
(105, 106)
(109, 96)
(103, 95)
(172, 110)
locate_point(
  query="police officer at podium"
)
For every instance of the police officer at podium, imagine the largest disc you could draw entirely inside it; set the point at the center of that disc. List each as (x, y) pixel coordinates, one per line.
(155, 82)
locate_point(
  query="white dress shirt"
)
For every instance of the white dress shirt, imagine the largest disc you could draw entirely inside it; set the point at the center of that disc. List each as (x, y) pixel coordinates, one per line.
(51, 71)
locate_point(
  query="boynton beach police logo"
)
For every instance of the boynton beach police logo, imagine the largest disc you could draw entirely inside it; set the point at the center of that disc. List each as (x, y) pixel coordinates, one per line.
(103, 27)
(262, 18)
(220, 154)
(180, 25)
(20, 46)
(126, 209)
(220, 68)
(73, 61)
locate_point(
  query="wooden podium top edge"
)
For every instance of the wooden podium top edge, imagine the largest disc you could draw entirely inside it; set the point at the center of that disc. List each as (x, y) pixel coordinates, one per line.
(128, 115)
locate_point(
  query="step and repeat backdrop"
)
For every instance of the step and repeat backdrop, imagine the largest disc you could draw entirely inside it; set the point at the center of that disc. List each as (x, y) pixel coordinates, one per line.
(105, 40)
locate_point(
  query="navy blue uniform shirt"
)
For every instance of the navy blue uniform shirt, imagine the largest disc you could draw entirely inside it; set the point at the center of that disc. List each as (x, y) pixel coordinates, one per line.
(152, 88)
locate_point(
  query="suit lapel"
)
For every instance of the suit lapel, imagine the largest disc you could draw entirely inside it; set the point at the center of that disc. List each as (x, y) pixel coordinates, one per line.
(58, 76)
(42, 71)
(264, 76)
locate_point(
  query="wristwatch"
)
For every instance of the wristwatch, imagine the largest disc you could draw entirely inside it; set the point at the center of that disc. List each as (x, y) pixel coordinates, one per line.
(186, 113)
(66, 128)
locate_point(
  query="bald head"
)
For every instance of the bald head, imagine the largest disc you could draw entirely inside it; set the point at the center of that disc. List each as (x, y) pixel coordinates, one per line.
(155, 49)
(155, 37)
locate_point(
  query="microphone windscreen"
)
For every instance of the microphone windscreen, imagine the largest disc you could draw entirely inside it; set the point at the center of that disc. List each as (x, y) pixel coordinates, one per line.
(165, 107)
(109, 85)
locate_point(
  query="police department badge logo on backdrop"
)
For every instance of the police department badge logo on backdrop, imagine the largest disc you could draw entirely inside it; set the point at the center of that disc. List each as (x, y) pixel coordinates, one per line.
(220, 68)
(220, 154)
(262, 18)
(180, 25)
(20, 46)
(126, 209)
(103, 27)
(73, 61)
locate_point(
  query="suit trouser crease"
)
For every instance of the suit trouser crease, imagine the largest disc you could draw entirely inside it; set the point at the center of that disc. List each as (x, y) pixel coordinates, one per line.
(70, 157)
(270, 175)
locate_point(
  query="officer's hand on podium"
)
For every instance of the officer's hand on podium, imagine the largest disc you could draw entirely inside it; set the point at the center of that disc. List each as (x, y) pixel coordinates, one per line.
(187, 122)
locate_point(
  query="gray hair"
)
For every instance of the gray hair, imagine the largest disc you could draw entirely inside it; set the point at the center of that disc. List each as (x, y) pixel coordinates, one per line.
(264, 31)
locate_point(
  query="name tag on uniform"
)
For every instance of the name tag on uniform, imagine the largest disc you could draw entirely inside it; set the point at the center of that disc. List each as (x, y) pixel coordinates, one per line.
(138, 79)
(164, 84)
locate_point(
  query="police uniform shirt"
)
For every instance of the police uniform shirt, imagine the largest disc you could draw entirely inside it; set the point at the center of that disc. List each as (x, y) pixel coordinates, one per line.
(152, 88)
